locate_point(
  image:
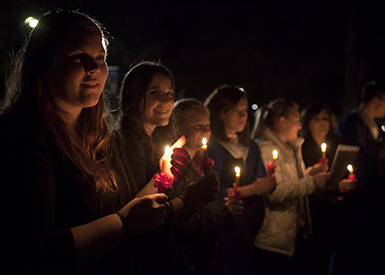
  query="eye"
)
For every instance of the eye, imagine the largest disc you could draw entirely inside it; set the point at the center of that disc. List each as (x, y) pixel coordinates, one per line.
(170, 94)
(154, 93)
(75, 57)
(101, 58)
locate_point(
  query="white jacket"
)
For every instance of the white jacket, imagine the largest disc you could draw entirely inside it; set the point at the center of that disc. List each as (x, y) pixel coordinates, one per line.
(279, 228)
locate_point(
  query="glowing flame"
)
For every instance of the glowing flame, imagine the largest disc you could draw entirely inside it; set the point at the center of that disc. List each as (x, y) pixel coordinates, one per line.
(350, 168)
(237, 170)
(323, 147)
(275, 154)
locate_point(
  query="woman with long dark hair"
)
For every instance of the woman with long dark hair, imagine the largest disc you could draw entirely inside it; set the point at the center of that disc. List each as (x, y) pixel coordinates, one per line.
(66, 209)
(229, 146)
(147, 100)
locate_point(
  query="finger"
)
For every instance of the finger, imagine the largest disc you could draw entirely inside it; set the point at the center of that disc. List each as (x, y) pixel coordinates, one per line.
(176, 173)
(179, 163)
(179, 143)
(161, 198)
(180, 152)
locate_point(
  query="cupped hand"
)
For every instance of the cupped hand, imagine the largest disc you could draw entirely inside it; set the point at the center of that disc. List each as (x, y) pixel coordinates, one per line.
(347, 185)
(264, 185)
(202, 191)
(318, 168)
(234, 206)
(142, 215)
(321, 178)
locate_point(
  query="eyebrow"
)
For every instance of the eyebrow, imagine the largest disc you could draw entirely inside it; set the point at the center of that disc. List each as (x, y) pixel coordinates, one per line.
(158, 87)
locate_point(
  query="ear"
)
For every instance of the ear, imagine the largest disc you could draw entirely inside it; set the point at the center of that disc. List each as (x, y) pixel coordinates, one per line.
(221, 115)
(282, 122)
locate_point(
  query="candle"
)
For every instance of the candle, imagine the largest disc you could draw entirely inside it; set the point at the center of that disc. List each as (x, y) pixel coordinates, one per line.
(351, 170)
(204, 147)
(165, 159)
(275, 155)
(237, 176)
(323, 149)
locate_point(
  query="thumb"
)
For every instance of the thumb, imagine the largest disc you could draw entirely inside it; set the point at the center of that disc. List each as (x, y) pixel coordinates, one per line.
(161, 198)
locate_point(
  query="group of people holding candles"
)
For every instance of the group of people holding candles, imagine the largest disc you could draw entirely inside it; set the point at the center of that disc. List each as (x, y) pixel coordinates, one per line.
(92, 190)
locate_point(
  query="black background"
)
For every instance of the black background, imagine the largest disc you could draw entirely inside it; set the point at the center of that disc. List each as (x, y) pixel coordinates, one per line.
(306, 51)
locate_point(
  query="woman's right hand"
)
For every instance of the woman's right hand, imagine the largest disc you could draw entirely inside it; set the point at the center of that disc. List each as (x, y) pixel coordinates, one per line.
(347, 185)
(142, 215)
(321, 178)
(264, 185)
(234, 206)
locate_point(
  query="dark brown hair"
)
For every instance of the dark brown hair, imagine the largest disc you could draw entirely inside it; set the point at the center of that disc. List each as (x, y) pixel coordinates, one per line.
(269, 114)
(223, 99)
(133, 104)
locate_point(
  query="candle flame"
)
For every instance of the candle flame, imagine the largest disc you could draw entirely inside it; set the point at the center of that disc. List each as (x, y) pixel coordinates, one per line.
(275, 154)
(350, 168)
(237, 170)
(204, 141)
(166, 151)
(323, 147)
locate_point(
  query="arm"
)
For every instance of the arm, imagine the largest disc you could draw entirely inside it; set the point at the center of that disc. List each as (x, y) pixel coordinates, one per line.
(289, 187)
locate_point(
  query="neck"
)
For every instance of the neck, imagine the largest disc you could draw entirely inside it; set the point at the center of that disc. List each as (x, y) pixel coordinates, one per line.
(149, 128)
(319, 139)
(280, 135)
(367, 110)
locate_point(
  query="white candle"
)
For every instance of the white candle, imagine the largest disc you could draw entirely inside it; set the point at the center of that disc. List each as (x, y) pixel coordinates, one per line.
(237, 176)
(165, 159)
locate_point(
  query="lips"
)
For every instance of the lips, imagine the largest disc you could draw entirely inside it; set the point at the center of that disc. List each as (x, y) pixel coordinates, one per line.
(161, 111)
(90, 85)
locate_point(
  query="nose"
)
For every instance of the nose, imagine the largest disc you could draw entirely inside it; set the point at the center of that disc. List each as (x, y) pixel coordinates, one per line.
(165, 99)
(91, 66)
(242, 113)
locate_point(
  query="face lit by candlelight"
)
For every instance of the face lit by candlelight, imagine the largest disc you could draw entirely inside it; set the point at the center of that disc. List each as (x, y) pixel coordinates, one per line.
(78, 72)
(319, 126)
(235, 119)
(159, 102)
(196, 127)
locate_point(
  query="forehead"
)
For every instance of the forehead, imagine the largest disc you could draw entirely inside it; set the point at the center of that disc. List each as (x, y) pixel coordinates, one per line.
(159, 79)
(196, 116)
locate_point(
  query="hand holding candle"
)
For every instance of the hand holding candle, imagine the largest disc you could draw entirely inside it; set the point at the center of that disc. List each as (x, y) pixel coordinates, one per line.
(323, 160)
(206, 164)
(235, 191)
(271, 165)
(165, 159)
(204, 147)
(351, 176)
(237, 176)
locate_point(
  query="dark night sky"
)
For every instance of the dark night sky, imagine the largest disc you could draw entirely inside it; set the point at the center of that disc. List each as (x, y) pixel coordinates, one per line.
(306, 51)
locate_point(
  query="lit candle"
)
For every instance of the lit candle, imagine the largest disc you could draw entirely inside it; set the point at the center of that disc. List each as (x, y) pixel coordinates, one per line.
(165, 159)
(237, 176)
(204, 147)
(350, 169)
(323, 149)
(275, 155)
